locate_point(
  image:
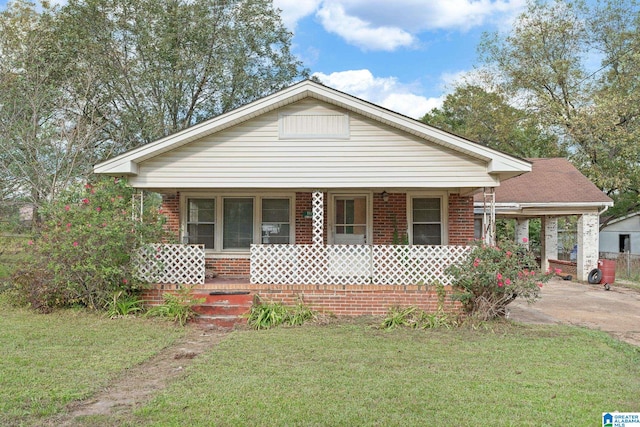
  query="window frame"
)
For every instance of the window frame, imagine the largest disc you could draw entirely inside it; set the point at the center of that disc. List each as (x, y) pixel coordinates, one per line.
(219, 217)
(444, 214)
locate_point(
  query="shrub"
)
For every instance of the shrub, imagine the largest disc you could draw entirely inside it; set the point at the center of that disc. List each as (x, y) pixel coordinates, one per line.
(86, 241)
(177, 307)
(123, 304)
(265, 315)
(491, 277)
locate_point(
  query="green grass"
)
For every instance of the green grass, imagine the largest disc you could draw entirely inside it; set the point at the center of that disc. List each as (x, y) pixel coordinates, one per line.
(49, 360)
(343, 375)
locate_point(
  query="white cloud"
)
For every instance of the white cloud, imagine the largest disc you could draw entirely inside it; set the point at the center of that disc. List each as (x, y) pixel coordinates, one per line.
(361, 33)
(389, 25)
(384, 91)
(295, 10)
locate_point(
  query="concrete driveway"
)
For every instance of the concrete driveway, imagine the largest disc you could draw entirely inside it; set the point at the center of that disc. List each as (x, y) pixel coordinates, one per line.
(616, 311)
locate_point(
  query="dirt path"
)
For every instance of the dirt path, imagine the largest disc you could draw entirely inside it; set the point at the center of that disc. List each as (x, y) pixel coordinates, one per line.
(140, 383)
(616, 311)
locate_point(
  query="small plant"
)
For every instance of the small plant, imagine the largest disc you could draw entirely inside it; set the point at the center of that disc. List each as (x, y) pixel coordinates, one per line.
(177, 307)
(299, 314)
(123, 304)
(491, 277)
(266, 315)
(413, 317)
(400, 317)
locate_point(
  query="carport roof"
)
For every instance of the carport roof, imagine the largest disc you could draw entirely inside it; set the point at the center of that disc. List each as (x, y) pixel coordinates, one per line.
(553, 183)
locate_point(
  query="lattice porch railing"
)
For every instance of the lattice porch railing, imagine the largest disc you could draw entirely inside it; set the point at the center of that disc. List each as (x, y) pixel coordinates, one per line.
(352, 264)
(164, 263)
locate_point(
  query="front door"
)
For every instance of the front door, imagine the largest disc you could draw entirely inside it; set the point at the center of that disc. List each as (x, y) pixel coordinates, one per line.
(350, 221)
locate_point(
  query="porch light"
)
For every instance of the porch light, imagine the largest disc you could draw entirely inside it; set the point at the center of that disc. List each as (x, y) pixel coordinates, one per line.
(385, 196)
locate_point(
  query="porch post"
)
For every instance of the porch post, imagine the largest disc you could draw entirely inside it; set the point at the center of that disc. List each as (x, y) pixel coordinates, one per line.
(489, 216)
(549, 240)
(522, 232)
(318, 216)
(588, 233)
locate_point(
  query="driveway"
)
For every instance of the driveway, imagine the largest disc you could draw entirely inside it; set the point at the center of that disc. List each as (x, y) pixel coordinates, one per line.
(616, 311)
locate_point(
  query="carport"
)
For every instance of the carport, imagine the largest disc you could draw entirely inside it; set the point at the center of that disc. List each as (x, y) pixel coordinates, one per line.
(554, 188)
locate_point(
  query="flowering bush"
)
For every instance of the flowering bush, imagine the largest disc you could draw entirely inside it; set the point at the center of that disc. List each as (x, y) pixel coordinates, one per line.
(83, 252)
(493, 276)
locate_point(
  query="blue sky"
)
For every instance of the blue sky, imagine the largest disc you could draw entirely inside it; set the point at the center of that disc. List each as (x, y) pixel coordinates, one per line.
(405, 55)
(402, 54)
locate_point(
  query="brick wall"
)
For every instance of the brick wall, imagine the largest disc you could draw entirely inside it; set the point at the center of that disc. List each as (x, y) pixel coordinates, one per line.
(460, 219)
(353, 300)
(171, 210)
(356, 301)
(389, 216)
(304, 226)
(229, 267)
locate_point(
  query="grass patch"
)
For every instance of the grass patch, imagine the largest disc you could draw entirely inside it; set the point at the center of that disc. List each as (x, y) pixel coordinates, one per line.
(351, 374)
(12, 252)
(50, 360)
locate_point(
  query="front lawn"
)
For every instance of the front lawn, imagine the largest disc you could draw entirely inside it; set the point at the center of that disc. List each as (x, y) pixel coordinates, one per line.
(347, 375)
(50, 360)
(340, 374)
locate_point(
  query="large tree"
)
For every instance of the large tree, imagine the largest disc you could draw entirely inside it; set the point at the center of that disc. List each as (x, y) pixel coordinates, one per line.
(46, 135)
(164, 65)
(577, 68)
(486, 117)
(94, 78)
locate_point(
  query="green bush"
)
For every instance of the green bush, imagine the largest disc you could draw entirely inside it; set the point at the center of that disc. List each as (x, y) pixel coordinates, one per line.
(177, 307)
(85, 245)
(491, 277)
(265, 315)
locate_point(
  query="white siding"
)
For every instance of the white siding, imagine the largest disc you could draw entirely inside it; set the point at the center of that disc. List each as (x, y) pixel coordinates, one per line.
(252, 155)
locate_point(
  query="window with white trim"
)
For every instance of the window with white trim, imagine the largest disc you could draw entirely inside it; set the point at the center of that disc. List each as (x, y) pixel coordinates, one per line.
(237, 220)
(232, 223)
(426, 215)
(201, 222)
(276, 221)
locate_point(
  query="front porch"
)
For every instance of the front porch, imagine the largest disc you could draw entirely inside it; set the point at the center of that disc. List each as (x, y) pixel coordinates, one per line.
(342, 280)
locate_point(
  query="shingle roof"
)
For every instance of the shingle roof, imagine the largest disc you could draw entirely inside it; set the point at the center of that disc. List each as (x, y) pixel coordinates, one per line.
(552, 180)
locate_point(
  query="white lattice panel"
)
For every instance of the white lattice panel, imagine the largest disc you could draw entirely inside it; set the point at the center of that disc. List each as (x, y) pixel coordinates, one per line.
(164, 263)
(318, 216)
(352, 264)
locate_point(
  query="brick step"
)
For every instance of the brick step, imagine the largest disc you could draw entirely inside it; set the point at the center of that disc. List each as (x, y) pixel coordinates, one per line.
(225, 322)
(221, 309)
(225, 298)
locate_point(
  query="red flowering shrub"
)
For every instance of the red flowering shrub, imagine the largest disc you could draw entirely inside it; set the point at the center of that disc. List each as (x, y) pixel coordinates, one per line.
(491, 277)
(84, 249)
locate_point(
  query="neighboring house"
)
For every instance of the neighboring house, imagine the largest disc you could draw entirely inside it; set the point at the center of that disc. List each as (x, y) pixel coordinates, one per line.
(622, 235)
(308, 190)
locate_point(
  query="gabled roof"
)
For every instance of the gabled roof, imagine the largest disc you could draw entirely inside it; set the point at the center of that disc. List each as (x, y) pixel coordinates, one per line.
(498, 163)
(552, 183)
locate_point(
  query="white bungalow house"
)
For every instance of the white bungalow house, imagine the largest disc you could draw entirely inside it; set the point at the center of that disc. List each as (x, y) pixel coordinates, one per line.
(310, 191)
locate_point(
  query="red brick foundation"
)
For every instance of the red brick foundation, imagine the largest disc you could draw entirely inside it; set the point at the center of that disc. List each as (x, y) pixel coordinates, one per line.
(340, 300)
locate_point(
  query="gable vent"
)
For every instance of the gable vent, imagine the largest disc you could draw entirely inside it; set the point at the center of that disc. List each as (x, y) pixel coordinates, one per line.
(314, 126)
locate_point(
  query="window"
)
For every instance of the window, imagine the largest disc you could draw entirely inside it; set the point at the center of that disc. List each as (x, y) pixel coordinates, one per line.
(201, 222)
(275, 221)
(624, 242)
(237, 219)
(427, 221)
(232, 223)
